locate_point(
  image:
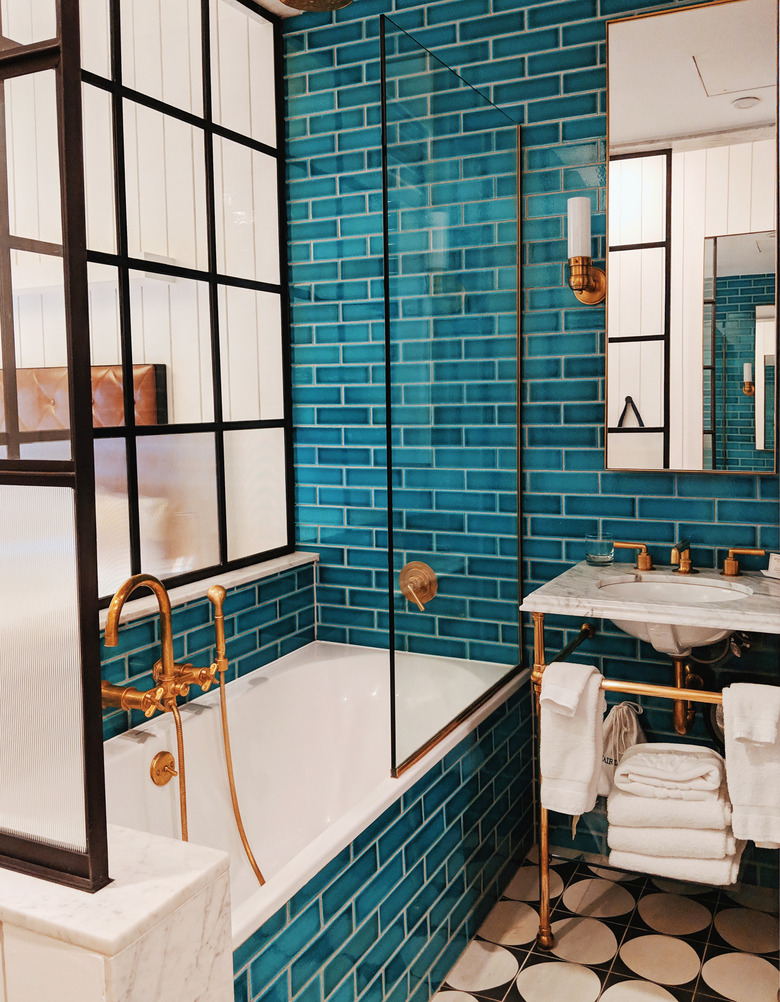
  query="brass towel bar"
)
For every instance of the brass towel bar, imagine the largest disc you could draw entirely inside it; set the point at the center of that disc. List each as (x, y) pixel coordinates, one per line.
(545, 937)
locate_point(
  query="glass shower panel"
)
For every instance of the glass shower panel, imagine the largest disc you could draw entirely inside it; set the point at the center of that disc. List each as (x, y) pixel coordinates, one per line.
(161, 51)
(177, 503)
(42, 751)
(96, 37)
(247, 227)
(28, 21)
(256, 496)
(166, 188)
(171, 330)
(99, 169)
(250, 326)
(111, 514)
(451, 164)
(33, 157)
(242, 71)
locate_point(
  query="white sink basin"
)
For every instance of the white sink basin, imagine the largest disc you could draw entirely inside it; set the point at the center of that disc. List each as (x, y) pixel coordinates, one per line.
(676, 592)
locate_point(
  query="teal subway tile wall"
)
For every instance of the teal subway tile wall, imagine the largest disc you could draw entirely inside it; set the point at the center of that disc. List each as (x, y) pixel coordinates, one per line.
(544, 65)
(388, 917)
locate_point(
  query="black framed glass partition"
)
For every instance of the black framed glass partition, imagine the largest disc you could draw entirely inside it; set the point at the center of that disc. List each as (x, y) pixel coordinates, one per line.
(451, 302)
(52, 810)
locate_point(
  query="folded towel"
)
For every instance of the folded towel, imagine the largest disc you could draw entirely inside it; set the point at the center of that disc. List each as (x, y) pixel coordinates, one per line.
(642, 812)
(687, 843)
(670, 770)
(570, 743)
(752, 767)
(754, 712)
(702, 871)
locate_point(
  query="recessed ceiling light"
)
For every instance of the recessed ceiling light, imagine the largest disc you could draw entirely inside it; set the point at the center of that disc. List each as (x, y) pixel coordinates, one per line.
(745, 102)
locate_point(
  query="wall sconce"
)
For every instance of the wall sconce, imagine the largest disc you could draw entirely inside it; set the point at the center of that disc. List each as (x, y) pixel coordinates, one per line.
(589, 284)
(748, 386)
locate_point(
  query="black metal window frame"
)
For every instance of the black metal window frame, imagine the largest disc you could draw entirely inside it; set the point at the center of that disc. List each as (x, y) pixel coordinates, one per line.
(664, 336)
(130, 432)
(87, 870)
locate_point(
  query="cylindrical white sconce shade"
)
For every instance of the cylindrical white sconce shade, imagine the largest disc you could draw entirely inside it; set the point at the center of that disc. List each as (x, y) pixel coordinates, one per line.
(579, 227)
(747, 373)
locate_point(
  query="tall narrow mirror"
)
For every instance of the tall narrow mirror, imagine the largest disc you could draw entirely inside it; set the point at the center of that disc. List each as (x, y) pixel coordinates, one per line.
(692, 242)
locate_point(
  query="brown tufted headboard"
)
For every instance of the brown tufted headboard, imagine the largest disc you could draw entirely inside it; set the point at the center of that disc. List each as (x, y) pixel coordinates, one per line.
(43, 397)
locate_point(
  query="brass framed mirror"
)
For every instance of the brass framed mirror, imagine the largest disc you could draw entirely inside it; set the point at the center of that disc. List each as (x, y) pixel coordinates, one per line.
(692, 239)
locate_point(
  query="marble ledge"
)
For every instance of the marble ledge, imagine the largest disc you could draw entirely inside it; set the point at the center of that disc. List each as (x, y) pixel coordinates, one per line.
(137, 608)
(152, 876)
(580, 591)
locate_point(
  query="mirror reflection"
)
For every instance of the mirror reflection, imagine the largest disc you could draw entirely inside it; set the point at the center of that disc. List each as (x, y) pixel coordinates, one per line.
(691, 263)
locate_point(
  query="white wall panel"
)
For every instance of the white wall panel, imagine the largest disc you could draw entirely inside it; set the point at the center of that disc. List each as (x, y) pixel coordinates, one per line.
(250, 326)
(715, 176)
(636, 369)
(242, 53)
(99, 170)
(636, 291)
(247, 224)
(637, 200)
(166, 195)
(256, 493)
(763, 187)
(635, 452)
(170, 326)
(95, 37)
(104, 328)
(27, 21)
(161, 51)
(33, 157)
(39, 310)
(739, 199)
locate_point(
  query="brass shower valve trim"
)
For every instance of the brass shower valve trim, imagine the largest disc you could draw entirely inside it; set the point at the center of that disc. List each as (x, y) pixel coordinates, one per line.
(644, 561)
(162, 770)
(418, 583)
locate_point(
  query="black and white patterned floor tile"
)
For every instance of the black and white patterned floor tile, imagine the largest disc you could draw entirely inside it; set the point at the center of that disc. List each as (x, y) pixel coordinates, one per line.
(622, 937)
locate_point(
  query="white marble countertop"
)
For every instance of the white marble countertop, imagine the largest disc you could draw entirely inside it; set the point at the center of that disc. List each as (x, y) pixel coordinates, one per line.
(580, 592)
(151, 877)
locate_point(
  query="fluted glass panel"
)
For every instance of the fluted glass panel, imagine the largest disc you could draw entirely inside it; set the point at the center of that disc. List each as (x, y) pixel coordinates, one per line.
(256, 499)
(177, 503)
(41, 718)
(111, 514)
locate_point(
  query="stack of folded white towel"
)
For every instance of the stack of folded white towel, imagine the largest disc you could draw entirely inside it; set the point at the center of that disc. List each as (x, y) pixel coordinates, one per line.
(669, 814)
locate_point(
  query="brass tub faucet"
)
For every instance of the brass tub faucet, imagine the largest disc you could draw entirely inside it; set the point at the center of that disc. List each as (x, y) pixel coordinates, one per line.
(171, 678)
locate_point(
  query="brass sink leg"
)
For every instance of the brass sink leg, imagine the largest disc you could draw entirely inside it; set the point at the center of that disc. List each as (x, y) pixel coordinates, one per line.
(684, 711)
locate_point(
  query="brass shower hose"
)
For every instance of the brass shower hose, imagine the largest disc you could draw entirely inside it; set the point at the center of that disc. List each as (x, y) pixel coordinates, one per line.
(216, 595)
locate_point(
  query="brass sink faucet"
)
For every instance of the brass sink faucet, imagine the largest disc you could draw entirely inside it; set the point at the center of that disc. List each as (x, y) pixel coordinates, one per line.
(171, 678)
(681, 555)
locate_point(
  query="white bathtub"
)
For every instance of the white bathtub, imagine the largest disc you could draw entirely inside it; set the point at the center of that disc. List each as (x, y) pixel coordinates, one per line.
(310, 735)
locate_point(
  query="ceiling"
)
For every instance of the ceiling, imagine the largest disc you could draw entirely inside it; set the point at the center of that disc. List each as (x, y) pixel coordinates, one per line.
(673, 76)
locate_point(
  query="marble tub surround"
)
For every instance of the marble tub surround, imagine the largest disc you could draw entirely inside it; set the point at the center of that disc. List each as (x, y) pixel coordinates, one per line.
(159, 930)
(583, 591)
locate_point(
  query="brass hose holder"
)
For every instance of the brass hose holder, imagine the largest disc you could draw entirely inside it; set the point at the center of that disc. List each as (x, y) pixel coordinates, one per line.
(644, 560)
(418, 583)
(731, 564)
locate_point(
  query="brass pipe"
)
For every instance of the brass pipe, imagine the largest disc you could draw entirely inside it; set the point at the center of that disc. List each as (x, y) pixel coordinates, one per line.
(683, 713)
(174, 709)
(544, 937)
(216, 595)
(662, 691)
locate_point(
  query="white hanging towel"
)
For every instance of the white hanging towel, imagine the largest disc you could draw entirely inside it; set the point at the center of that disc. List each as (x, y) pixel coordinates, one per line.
(750, 716)
(572, 706)
(669, 770)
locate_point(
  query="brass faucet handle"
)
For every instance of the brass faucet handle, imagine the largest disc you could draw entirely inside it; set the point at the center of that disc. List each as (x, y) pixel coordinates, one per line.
(417, 582)
(681, 555)
(731, 564)
(152, 701)
(644, 560)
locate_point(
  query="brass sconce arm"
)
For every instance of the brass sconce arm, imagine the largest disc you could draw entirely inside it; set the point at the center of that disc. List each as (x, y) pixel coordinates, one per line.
(588, 283)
